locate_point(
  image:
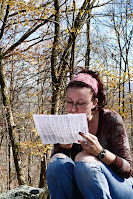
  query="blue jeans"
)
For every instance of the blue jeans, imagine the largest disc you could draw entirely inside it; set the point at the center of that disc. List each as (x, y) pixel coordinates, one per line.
(85, 180)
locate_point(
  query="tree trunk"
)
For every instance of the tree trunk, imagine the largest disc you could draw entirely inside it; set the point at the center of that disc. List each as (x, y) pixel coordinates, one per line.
(10, 122)
(131, 107)
(72, 59)
(43, 172)
(55, 85)
(9, 167)
(87, 59)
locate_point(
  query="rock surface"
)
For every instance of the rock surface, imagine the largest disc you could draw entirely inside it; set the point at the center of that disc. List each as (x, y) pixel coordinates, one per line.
(22, 192)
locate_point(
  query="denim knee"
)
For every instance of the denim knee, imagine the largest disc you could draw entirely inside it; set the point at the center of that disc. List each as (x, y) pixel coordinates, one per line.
(96, 180)
(86, 169)
(91, 180)
(59, 175)
(59, 166)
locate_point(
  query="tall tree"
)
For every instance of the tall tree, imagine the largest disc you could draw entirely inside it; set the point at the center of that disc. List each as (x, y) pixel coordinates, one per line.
(59, 71)
(124, 32)
(9, 20)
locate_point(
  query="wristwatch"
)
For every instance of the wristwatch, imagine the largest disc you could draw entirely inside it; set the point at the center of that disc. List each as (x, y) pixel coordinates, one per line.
(102, 154)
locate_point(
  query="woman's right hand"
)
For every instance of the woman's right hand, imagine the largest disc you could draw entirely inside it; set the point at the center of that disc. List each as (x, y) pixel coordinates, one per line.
(66, 146)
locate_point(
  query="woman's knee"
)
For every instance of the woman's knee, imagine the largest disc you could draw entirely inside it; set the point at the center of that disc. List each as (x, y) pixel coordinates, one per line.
(58, 163)
(84, 156)
(57, 157)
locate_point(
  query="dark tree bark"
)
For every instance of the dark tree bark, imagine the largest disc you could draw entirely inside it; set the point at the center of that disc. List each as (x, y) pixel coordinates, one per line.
(43, 173)
(10, 122)
(54, 57)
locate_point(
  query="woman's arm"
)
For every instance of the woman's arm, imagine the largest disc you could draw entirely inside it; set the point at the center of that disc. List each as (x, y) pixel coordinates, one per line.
(94, 147)
(119, 145)
(118, 156)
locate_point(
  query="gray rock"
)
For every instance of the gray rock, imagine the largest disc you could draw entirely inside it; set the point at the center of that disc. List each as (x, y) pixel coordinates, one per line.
(22, 192)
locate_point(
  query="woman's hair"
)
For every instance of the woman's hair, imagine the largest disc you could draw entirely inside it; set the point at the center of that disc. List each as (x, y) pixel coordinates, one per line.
(100, 96)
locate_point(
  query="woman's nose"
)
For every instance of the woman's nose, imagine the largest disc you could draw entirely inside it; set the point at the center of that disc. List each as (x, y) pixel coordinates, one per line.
(74, 108)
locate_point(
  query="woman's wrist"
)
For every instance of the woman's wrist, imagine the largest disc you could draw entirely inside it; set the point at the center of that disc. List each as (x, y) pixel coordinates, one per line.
(108, 158)
(102, 154)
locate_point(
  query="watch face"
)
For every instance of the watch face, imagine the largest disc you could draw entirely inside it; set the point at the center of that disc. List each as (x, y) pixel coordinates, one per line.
(102, 155)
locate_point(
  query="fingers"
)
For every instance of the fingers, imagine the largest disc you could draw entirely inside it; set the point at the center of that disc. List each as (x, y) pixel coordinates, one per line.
(83, 143)
(88, 137)
(89, 117)
(92, 145)
(92, 136)
(91, 139)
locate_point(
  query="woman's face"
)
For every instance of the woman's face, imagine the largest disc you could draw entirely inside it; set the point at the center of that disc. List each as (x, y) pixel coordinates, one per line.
(79, 100)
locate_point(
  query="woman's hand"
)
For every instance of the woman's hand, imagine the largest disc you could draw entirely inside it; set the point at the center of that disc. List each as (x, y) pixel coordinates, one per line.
(91, 145)
(66, 146)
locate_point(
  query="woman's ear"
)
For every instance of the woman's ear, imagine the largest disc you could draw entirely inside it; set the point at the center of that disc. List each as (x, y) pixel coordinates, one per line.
(95, 101)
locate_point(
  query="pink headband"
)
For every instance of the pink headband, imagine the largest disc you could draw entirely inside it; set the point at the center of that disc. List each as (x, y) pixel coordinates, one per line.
(88, 79)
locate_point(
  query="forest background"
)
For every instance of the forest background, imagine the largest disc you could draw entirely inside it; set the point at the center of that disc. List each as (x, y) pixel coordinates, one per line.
(43, 44)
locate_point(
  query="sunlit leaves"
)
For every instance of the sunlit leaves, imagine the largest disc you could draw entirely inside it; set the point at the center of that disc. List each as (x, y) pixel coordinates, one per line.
(36, 148)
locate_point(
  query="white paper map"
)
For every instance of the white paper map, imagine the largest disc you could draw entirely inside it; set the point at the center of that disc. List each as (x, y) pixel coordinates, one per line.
(63, 129)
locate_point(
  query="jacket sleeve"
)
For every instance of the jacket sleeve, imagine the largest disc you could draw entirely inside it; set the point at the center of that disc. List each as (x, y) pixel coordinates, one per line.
(119, 145)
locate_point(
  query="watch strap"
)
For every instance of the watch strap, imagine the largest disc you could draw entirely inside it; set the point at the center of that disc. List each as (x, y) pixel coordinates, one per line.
(102, 154)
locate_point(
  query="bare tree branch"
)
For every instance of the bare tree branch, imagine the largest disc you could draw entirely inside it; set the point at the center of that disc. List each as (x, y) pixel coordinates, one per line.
(26, 35)
(4, 22)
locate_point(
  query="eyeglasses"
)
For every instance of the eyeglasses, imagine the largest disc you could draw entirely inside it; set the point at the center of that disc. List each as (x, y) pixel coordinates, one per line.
(77, 104)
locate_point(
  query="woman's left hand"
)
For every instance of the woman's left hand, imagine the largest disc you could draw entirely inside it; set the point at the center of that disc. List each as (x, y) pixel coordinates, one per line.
(91, 145)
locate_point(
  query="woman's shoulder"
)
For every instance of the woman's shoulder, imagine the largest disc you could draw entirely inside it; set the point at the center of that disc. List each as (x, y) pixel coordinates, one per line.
(108, 111)
(111, 115)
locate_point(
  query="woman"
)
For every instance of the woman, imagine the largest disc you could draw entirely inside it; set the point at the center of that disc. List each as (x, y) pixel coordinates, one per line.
(100, 167)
